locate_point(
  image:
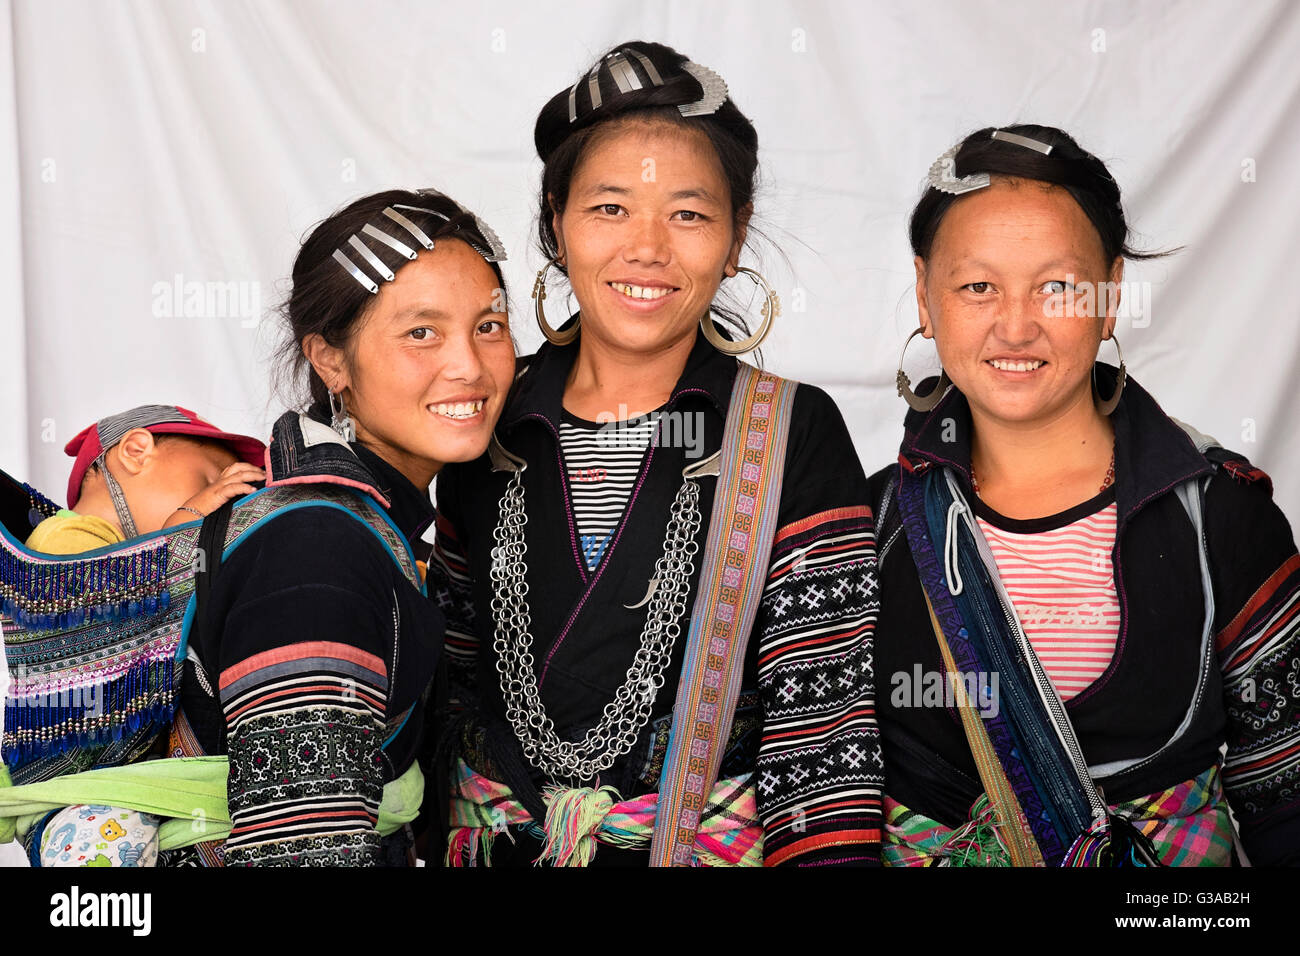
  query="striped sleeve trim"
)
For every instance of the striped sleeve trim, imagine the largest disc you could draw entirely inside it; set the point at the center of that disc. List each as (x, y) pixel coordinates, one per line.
(1259, 651)
(814, 522)
(819, 772)
(305, 729)
(285, 659)
(1263, 600)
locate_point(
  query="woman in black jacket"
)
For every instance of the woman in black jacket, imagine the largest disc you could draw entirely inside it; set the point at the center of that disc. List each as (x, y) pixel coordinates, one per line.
(567, 561)
(315, 647)
(1082, 600)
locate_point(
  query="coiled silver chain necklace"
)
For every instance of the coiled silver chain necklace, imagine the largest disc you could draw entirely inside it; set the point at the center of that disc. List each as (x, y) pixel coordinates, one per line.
(628, 713)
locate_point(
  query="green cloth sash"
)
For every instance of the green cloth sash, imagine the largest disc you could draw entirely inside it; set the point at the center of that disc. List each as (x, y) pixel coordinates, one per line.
(189, 791)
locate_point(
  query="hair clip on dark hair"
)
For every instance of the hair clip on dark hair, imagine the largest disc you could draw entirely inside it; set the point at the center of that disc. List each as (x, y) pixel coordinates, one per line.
(490, 246)
(943, 171)
(625, 79)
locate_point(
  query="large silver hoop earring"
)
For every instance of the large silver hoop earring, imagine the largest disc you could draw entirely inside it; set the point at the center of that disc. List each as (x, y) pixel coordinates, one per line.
(539, 297)
(340, 420)
(920, 403)
(771, 309)
(1109, 405)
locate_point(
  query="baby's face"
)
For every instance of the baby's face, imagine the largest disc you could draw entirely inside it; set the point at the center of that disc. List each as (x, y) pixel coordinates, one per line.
(187, 467)
(180, 470)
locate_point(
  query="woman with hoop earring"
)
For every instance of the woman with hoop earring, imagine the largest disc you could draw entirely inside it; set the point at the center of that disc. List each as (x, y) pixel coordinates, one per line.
(1106, 596)
(659, 582)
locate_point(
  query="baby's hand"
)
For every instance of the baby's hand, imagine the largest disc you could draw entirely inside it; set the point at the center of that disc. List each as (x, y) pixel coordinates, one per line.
(234, 481)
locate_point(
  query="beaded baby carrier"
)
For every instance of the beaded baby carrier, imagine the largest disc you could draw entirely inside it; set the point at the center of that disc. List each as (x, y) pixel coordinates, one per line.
(95, 642)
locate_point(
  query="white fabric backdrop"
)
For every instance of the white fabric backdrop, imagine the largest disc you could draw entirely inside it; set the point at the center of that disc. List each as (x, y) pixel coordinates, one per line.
(162, 139)
(145, 141)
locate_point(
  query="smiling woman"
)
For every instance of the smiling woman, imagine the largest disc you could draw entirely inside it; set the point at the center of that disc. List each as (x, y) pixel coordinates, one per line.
(314, 645)
(1129, 581)
(599, 722)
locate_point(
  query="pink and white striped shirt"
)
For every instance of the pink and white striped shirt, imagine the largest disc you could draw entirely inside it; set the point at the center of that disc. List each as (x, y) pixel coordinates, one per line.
(1059, 575)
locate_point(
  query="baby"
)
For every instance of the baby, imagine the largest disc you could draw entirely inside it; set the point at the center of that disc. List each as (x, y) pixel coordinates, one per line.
(144, 470)
(141, 471)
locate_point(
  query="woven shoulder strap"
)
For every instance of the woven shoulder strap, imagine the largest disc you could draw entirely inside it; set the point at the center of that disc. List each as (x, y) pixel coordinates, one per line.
(736, 552)
(270, 503)
(223, 531)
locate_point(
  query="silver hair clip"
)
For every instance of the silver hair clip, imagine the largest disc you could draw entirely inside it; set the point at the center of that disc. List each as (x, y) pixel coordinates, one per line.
(494, 253)
(370, 285)
(1024, 141)
(625, 78)
(943, 171)
(650, 71)
(620, 69)
(376, 263)
(392, 213)
(715, 91)
(943, 175)
(399, 247)
(593, 87)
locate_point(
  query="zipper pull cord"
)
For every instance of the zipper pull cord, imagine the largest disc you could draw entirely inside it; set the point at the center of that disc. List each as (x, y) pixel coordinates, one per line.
(950, 569)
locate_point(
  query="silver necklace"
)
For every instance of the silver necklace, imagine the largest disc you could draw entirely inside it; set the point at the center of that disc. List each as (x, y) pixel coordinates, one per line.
(628, 713)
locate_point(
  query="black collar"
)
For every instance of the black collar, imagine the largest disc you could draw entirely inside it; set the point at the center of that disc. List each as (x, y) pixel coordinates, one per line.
(539, 389)
(1153, 454)
(304, 449)
(410, 507)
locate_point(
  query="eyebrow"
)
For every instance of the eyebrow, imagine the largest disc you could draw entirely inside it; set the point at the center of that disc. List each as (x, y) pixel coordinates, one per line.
(699, 192)
(695, 192)
(408, 314)
(1074, 266)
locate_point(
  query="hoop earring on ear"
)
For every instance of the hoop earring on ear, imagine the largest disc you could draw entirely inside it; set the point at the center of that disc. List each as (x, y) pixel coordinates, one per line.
(1109, 405)
(539, 297)
(771, 309)
(340, 420)
(918, 402)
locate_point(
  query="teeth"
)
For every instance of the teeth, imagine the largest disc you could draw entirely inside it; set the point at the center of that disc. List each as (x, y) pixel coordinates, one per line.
(1005, 366)
(639, 292)
(457, 409)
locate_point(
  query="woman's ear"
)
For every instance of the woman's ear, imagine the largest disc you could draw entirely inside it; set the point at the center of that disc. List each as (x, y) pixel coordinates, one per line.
(327, 360)
(556, 229)
(742, 230)
(922, 299)
(1115, 289)
(135, 451)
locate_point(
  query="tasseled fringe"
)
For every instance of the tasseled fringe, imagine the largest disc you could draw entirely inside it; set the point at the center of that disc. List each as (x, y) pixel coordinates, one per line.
(57, 595)
(977, 842)
(467, 846)
(573, 816)
(1111, 842)
(53, 722)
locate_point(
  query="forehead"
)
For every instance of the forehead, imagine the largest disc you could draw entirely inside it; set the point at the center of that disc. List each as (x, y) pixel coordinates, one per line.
(626, 150)
(1021, 220)
(189, 447)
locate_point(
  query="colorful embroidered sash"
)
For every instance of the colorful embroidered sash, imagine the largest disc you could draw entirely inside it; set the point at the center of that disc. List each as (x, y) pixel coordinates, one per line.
(1188, 825)
(741, 527)
(729, 833)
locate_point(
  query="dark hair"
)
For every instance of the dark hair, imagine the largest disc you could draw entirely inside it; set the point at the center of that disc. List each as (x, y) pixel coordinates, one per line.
(326, 300)
(1069, 165)
(562, 143)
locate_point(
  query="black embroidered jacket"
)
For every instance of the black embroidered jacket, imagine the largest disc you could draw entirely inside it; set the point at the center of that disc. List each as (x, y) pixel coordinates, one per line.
(805, 726)
(1142, 704)
(320, 649)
